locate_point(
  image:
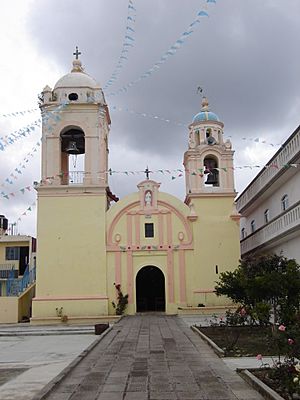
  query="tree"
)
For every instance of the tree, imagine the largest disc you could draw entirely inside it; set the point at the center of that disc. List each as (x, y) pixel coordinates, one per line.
(262, 282)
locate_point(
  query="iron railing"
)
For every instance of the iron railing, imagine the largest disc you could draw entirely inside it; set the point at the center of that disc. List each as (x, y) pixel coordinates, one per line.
(14, 287)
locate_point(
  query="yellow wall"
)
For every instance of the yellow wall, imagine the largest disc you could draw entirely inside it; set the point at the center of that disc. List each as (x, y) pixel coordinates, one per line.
(25, 303)
(216, 242)
(71, 254)
(74, 266)
(8, 310)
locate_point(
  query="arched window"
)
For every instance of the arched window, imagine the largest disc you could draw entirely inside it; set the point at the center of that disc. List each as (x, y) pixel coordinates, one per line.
(243, 233)
(208, 132)
(72, 155)
(211, 170)
(252, 226)
(285, 202)
(267, 216)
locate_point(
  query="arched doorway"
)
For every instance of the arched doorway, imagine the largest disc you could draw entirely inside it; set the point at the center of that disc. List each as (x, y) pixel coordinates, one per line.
(150, 290)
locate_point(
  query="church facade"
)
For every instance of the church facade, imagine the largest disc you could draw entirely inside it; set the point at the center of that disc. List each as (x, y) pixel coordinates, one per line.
(164, 253)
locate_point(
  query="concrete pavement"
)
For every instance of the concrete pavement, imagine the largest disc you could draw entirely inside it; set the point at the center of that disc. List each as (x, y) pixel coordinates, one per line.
(29, 362)
(153, 357)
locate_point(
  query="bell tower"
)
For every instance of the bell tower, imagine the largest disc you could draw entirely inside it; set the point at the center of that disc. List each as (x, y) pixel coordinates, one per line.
(210, 196)
(209, 159)
(73, 197)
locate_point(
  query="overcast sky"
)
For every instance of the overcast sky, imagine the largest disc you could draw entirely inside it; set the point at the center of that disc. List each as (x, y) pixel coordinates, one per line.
(244, 54)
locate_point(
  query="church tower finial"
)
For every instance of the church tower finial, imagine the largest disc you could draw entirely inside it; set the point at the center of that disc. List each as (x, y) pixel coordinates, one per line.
(205, 104)
(77, 65)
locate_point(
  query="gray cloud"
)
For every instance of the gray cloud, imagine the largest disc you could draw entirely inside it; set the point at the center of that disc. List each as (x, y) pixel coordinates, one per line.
(243, 55)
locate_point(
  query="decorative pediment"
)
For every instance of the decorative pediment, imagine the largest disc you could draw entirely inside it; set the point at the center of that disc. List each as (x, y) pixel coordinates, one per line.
(148, 194)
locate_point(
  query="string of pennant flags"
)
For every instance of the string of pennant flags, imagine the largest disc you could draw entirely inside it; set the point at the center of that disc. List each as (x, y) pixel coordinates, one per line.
(28, 209)
(128, 43)
(18, 171)
(169, 53)
(173, 173)
(53, 116)
(48, 117)
(19, 134)
(18, 113)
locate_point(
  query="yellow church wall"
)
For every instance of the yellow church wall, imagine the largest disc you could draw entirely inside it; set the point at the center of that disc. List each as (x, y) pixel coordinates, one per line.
(171, 213)
(215, 244)
(71, 255)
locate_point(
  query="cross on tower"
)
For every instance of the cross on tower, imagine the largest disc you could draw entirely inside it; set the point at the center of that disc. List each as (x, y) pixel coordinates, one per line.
(147, 172)
(77, 53)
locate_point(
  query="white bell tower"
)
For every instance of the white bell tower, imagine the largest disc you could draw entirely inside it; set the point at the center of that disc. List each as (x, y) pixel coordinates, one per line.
(72, 203)
(209, 159)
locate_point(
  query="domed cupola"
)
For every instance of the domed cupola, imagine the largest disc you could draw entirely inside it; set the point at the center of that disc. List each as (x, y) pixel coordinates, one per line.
(205, 114)
(76, 86)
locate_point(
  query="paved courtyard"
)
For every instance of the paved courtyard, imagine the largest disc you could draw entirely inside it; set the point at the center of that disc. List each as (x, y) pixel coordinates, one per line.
(153, 357)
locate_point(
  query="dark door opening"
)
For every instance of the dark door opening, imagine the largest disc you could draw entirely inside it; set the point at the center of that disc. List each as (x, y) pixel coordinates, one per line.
(24, 259)
(150, 290)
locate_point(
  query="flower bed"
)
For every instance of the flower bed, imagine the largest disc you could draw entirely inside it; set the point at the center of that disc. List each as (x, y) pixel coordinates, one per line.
(283, 376)
(241, 341)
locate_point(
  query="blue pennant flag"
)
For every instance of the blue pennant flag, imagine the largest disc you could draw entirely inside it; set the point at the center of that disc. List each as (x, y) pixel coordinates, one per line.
(202, 14)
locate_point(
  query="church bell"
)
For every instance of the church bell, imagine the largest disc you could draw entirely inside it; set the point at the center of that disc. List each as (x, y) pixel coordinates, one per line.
(212, 178)
(72, 148)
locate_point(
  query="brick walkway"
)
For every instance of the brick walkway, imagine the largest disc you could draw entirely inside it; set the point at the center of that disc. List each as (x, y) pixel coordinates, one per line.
(152, 357)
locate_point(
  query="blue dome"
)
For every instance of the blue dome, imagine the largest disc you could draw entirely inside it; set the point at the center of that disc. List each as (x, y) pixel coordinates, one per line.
(206, 116)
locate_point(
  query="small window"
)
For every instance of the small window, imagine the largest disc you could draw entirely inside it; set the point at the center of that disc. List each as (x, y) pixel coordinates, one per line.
(252, 226)
(149, 230)
(243, 233)
(73, 96)
(12, 253)
(285, 202)
(267, 216)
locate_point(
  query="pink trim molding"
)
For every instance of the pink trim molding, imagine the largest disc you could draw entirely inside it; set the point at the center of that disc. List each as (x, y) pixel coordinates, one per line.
(71, 298)
(118, 268)
(129, 277)
(137, 230)
(170, 272)
(182, 283)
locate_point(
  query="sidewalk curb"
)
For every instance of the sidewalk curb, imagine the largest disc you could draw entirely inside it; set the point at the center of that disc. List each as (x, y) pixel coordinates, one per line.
(212, 344)
(257, 384)
(58, 378)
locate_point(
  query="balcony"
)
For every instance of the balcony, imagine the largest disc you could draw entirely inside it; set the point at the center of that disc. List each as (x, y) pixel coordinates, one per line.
(285, 223)
(275, 167)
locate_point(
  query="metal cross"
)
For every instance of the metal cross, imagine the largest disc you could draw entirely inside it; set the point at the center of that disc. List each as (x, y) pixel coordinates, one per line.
(147, 172)
(77, 53)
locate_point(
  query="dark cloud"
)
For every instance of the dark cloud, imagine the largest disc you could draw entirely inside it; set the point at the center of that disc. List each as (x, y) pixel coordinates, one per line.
(244, 55)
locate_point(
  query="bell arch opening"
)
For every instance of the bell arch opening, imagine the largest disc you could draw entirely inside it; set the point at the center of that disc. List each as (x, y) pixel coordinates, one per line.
(150, 289)
(72, 155)
(211, 170)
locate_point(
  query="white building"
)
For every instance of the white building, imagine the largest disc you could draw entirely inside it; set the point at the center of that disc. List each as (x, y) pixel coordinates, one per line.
(270, 205)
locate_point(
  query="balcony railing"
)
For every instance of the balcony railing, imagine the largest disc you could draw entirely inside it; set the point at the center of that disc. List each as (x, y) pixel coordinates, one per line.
(8, 271)
(274, 167)
(285, 222)
(75, 177)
